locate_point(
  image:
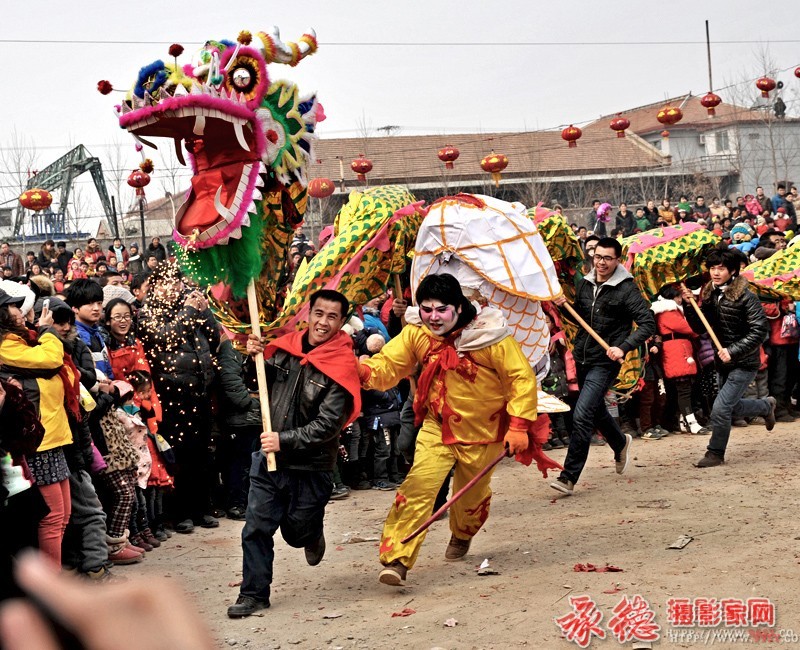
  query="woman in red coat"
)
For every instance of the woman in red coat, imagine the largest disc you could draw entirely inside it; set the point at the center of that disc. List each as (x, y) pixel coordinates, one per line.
(680, 365)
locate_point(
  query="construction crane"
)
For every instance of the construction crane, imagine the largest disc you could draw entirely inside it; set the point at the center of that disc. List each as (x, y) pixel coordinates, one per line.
(60, 176)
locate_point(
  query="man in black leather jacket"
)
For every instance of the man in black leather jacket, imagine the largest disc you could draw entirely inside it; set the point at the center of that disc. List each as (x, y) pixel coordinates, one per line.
(737, 317)
(314, 394)
(609, 301)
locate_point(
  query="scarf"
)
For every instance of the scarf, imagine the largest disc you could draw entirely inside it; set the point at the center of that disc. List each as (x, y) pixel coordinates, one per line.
(447, 359)
(72, 385)
(334, 359)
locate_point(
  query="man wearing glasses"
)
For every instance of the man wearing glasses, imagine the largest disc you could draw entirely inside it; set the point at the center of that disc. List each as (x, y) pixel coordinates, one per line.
(609, 301)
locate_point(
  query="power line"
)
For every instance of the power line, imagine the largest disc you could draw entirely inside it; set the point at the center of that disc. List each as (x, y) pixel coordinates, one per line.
(561, 44)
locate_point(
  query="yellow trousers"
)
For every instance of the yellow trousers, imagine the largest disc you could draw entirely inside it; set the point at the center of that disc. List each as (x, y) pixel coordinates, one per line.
(414, 500)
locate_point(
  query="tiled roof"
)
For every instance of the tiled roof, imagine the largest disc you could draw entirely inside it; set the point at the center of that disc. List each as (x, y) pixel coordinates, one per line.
(407, 158)
(695, 115)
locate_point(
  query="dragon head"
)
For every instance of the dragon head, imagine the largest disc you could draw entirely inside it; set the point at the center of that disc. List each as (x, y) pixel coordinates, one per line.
(241, 131)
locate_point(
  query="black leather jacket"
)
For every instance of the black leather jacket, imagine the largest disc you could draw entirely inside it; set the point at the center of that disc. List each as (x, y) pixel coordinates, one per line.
(738, 319)
(611, 312)
(308, 411)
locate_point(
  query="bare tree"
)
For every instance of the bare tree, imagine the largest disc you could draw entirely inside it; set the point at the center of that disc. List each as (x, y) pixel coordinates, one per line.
(18, 160)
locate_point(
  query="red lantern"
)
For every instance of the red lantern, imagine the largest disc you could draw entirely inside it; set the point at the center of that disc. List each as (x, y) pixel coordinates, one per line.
(139, 180)
(35, 199)
(670, 115)
(321, 188)
(619, 124)
(361, 166)
(710, 101)
(448, 154)
(494, 163)
(797, 72)
(665, 134)
(765, 84)
(571, 135)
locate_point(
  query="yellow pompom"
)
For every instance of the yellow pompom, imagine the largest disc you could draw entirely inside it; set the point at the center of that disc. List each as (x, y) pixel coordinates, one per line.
(244, 37)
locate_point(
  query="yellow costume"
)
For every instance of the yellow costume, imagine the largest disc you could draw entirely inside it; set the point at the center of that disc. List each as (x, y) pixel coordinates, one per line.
(482, 384)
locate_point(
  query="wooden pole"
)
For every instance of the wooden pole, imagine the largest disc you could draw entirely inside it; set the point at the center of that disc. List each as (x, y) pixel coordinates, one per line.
(586, 326)
(261, 373)
(398, 295)
(707, 325)
(427, 523)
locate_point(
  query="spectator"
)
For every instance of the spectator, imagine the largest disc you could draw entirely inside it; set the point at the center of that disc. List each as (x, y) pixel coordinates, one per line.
(780, 201)
(763, 200)
(151, 262)
(700, 207)
(666, 214)
(63, 257)
(10, 259)
(47, 254)
(625, 220)
(157, 248)
(93, 252)
(135, 261)
(591, 218)
(118, 250)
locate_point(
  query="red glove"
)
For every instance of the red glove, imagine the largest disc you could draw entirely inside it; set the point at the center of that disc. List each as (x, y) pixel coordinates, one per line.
(516, 441)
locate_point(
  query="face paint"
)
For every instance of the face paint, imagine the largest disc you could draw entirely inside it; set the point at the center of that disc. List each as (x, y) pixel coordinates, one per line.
(439, 318)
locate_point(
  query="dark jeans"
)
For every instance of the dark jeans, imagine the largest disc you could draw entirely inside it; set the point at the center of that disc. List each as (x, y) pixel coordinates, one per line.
(729, 405)
(651, 405)
(591, 413)
(291, 500)
(242, 443)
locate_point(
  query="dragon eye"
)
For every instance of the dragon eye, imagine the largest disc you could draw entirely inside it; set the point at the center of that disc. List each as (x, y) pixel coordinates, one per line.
(241, 79)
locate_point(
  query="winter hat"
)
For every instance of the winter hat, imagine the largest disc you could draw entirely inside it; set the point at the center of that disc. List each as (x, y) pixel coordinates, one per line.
(19, 291)
(111, 291)
(781, 210)
(123, 387)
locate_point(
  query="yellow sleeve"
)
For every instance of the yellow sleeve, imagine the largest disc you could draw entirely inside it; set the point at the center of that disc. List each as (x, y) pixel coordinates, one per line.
(48, 355)
(516, 377)
(396, 360)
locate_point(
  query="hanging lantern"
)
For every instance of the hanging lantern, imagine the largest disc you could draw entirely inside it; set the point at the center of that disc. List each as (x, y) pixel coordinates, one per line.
(665, 134)
(619, 124)
(361, 166)
(670, 115)
(448, 155)
(710, 101)
(571, 135)
(765, 84)
(321, 188)
(797, 72)
(494, 163)
(139, 180)
(35, 199)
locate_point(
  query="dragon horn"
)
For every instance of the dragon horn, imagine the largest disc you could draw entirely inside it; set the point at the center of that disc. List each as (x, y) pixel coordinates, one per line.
(276, 51)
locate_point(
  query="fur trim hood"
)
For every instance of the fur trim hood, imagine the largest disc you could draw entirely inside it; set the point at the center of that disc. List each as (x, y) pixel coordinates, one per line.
(732, 292)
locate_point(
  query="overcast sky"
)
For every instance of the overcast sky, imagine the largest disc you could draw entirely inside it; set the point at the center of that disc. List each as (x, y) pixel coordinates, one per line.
(419, 65)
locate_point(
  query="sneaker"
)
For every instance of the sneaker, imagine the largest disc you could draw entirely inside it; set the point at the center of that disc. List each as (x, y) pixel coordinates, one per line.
(565, 438)
(547, 446)
(710, 460)
(316, 551)
(621, 461)
(785, 417)
(456, 548)
(137, 541)
(150, 538)
(340, 491)
(563, 485)
(704, 431)
(652, 434)
(555, 443)
(207, 521)
(393, 574)
(161, 535)
(363, 484)
(769, 419)
(125, 555)
(245, 606)
(659, 429)
(237, 513)
(185, 527)
(384, 485)
(597, 440)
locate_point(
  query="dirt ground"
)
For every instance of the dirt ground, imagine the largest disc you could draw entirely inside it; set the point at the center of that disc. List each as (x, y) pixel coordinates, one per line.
(743, 517)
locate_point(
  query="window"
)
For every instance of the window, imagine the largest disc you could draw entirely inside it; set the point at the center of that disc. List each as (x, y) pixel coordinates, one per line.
(721, 140)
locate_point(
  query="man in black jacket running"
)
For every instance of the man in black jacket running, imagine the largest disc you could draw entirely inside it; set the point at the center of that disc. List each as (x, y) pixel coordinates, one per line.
(609, 301)
(737, 317)
(314, 393)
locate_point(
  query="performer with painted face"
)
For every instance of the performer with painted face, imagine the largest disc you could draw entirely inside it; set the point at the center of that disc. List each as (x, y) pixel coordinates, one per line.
(476, 393)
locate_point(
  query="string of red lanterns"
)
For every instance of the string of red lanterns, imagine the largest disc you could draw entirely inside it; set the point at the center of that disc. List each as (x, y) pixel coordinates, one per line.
(361, 166)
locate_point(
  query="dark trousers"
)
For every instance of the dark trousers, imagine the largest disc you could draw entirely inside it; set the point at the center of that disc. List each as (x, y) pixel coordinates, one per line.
(729, 405)
(291, 500)
(651, 405)
(239, 449)
(783, 366)
(192, 487)
(591, 413)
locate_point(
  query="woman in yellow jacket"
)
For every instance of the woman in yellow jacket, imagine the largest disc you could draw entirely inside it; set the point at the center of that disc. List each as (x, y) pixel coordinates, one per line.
(476, 393)
(38, 365)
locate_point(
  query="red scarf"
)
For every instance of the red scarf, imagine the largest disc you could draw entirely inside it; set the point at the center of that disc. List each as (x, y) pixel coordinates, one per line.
(334, 359)
(447, 360)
